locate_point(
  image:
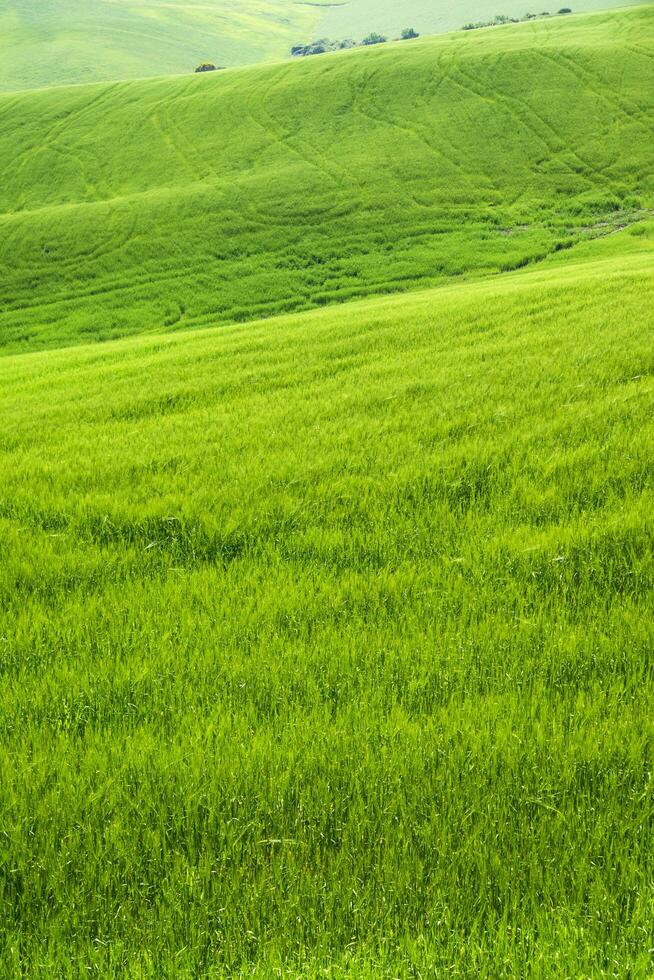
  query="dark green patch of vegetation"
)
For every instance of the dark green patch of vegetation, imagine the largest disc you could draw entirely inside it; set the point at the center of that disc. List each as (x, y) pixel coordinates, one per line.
(324, 45)
(321, 46)
(207, 66)
(373, 38)
(503, 19)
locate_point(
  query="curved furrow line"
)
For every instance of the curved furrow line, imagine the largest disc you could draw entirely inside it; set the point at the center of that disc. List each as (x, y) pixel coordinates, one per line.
(524, 113)
(386, 121)
(288, 140)
(49, 140)
(582, 74)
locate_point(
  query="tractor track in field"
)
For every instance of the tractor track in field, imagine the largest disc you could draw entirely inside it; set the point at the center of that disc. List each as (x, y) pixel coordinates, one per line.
(60, 128)
(585, 76)
(549, 137)
(358, 95)
(309, 154)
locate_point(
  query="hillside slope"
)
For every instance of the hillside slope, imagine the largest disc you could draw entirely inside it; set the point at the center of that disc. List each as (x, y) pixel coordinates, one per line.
(356, 18)
(326, 649)
(72, 41)
(184, 202)
(61, 42)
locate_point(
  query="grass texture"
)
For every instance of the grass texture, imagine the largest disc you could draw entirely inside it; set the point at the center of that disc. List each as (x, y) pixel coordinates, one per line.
(326, 645)
(188, 202)
(326, 638)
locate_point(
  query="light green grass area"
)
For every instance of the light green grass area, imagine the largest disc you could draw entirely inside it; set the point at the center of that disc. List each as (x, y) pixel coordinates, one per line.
(326, 644)
(62, 42)
(326, 638)
(357, 18)
(175, 203)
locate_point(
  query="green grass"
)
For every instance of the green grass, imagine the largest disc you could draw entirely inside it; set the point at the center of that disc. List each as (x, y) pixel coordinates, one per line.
(62, 42)
(326, 644)
(71, 41)
(356, 18)
(326, 638)
(188, 202)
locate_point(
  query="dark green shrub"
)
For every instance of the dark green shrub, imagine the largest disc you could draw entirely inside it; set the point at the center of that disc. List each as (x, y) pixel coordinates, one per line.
(315, 47)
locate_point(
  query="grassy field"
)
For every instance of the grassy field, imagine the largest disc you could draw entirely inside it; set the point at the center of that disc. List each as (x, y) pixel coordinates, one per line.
(356, 18)
(188, 202)
(71, 41)
(326, 644)
(61, 42)
(326, 637)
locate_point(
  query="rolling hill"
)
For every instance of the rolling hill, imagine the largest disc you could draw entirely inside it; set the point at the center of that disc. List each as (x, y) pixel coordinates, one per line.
(356, 18)
(326, 637)
(74, 41)
(61, 42)
(186, 202)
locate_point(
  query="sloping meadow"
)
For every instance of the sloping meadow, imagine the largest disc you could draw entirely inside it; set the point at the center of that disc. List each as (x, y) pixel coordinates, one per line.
(70, 42)
(184, 202)
(326, 644)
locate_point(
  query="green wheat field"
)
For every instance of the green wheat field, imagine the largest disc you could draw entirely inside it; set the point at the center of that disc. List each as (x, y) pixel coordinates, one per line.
(327, 515)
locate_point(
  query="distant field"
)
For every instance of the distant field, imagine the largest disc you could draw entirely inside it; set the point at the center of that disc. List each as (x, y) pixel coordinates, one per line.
(178, 203)
(71, 41)
(326, 644)
(356, 18)
(58, 42)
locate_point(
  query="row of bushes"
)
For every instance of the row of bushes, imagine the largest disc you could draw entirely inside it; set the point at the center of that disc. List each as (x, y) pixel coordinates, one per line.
(502, 19)
(323, 45)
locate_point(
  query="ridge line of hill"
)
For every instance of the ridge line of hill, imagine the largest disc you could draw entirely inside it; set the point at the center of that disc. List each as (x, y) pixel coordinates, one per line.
(453, 39)
(294, 186)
